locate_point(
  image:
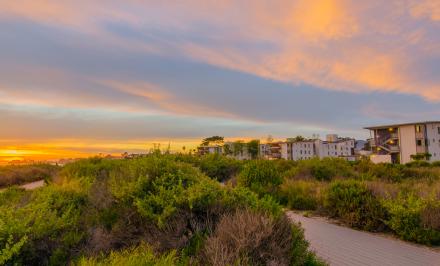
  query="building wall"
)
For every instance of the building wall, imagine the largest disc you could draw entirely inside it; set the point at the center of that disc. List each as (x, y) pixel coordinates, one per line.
(285, 150)
(303, 150)
(433, 136)
(407, 138)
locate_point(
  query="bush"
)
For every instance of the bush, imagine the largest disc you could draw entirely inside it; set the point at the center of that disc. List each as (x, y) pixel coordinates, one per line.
(42, 228)
(219, 167)
(300, 195)
(355, 204)
(249, 238)
(384, 171)
(411, 219)
(134, 256)
(110, 207)
(323, 170)
(260, 176)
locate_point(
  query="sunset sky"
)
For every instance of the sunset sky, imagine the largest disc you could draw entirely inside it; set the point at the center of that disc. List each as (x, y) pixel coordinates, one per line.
(82, 77)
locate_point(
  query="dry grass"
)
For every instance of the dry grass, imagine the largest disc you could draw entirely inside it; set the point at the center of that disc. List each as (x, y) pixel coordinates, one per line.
(247, 238)
(17, 175)
(431, 217)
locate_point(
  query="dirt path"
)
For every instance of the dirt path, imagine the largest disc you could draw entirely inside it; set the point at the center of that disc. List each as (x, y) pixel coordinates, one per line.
(33, 185)
(344, 246)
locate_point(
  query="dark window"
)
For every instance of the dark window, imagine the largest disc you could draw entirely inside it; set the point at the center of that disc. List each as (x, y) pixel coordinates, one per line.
(419, 142)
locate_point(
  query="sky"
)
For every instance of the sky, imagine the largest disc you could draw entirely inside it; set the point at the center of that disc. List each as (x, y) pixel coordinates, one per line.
(84, 77)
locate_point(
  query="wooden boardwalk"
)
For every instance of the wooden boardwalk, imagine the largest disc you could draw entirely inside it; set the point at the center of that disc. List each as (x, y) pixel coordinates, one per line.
(339, 245)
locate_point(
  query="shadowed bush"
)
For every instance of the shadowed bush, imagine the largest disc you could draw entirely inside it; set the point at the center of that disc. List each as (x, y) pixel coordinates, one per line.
(301, 195)
(260, 176)
(355, 204)
(415, 219)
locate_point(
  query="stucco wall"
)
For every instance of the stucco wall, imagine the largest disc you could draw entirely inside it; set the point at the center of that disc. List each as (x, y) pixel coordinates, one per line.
(433, 137)
(407, 136)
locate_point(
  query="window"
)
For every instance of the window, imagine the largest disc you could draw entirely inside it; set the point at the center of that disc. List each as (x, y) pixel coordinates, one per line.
(419, 142)
(438, 129)
(418, 128)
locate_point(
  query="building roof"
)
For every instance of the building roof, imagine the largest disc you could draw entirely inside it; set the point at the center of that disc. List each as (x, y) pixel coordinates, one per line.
(403, 124)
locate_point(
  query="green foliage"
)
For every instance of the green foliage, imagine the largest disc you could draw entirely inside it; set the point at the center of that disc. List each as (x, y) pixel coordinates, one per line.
(355, 204)
(384, 171)
(219, 167)
(213, 139)
(325, 169)
(406, 219)
(99, 206)
(260, 176)
(11, 248)
(43, 226)
(421, 156)
(253, 148)
(134, 256)
(300, 195)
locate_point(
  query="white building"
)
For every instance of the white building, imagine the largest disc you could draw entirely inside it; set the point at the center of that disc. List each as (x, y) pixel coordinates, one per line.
(306, 149)
(403, 141)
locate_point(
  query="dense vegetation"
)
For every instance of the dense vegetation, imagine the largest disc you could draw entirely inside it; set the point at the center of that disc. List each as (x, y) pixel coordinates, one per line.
(158, 210)
(403, 199)
(20, 174)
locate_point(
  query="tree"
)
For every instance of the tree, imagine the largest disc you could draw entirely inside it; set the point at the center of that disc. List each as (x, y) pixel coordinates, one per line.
(227, 150)
(269, 139)
(421, 156)
(253, 148)
(214, 139)
(238, 147)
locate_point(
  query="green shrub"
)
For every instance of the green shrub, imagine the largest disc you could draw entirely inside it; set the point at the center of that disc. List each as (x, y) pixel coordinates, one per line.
(384, 171)
(97, 206)
(355, 204)
(325, 169)
(406, 219)
(43, 228)
(134, 256)
(300, 195)
(219, 167)
(260, 176)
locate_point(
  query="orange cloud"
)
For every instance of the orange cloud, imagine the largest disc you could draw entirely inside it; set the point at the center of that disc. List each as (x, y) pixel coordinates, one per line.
(426, 8)
(314, 42)
(327, 19)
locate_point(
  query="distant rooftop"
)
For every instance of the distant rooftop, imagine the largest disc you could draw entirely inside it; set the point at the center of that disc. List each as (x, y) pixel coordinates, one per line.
(403, 124)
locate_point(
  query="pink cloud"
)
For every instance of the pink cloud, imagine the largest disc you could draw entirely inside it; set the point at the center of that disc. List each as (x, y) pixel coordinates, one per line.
(334, 44)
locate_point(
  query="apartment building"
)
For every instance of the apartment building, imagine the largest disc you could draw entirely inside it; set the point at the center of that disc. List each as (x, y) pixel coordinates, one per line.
(227, 149)
(298, 150)
(401, 142)
(339, 147)
(271, 150)
(209, 149)
(333, 146)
